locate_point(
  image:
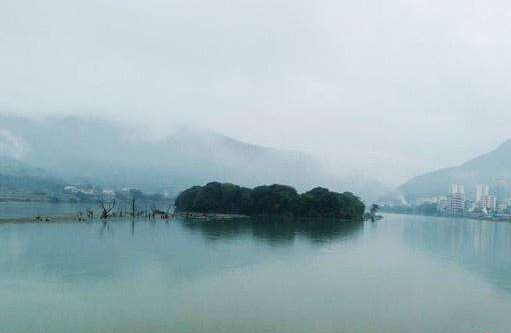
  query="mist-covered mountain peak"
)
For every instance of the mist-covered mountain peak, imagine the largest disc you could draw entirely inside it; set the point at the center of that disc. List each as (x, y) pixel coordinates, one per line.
(10, 166)
(109, 154)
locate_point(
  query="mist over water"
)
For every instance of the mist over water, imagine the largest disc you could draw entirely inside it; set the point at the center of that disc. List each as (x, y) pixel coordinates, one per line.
(365, 87)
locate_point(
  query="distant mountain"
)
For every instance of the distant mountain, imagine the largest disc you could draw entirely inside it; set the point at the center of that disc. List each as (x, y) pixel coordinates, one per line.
(10, 166)
(493, 169)
(103, 153)
(21, 181)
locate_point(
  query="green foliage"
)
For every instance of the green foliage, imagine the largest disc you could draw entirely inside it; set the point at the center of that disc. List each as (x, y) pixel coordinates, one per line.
(137, 194)
(270, 200)
(427, 209)
(273, 200)
(215, 198)
(320, 202)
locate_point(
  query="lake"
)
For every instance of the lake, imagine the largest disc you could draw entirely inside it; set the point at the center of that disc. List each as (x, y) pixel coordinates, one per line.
(401, 274)
(28, 210)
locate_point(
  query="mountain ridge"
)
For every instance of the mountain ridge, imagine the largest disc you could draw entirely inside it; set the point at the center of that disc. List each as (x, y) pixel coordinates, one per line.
(105, 153)
(492, 168)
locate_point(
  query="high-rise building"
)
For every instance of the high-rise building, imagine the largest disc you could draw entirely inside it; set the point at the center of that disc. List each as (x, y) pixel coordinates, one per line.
(457, 189)
(492, 202)
(456, 203)
(481, 191)
(456, 199)
(489, 202)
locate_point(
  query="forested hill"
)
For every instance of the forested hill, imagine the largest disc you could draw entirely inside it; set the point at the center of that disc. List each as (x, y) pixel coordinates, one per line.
(270, 200)
(493, 169)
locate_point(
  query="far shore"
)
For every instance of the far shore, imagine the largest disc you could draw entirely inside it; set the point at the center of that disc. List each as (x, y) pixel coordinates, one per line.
(194, 216)
(210, 216)
(461, 217)
(72, 218)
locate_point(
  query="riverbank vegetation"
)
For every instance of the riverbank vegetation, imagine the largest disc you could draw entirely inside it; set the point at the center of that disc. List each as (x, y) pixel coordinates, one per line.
(270, 200)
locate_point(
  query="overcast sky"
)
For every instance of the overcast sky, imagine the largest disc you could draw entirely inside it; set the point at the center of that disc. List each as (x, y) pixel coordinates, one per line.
(388, 88)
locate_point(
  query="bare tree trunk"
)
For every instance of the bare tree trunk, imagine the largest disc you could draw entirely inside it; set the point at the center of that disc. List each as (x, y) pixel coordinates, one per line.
(107, 208)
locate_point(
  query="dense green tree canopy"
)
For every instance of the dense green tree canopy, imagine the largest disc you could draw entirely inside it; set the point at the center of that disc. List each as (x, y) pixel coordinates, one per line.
(269, 200)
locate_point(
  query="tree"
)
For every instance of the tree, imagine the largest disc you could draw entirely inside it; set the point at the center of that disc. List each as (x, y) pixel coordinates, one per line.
(132, 202)
(374, 209)
(319, 202)
(107, 207)
(273, 200)
(270, 200)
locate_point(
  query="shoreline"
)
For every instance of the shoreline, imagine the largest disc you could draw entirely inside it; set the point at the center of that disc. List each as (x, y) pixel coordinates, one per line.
(191, 216)
(474, 218)
(72, 218)
(210, 216)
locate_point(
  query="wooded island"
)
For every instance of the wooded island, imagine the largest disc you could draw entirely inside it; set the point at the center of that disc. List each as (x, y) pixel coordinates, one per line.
(272, 200)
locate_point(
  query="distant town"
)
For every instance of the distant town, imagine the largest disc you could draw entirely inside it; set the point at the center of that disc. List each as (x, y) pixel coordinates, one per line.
(483, 203)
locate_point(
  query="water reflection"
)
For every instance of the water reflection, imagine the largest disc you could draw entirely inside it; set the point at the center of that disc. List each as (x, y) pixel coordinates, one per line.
(479, 246)
(76, 252)
(277, 232)
(261, 276)
(28, 210)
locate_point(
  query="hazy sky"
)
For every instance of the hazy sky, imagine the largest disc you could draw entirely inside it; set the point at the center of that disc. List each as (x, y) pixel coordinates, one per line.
(389, 88)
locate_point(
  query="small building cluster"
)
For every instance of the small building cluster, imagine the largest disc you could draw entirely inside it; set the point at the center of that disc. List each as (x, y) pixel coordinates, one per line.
(483, 201)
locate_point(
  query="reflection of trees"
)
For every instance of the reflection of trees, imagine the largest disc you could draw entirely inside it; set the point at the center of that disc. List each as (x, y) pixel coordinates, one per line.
(481, 246)
(218, 229)
(277, 231)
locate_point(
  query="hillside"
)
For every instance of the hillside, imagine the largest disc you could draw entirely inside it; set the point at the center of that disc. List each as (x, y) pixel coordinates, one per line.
(10, 166)
(104, 153)
(493, 169)
(20, 181)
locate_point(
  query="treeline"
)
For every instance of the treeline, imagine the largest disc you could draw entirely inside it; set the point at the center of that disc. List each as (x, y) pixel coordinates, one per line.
(139, 195)
(273, 200)
(423, 209)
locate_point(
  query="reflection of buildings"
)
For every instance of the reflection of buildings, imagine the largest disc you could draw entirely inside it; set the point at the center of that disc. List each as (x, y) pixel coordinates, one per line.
(479, 246)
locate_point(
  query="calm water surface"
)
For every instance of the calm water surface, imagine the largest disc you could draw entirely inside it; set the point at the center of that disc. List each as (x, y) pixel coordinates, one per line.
(402, 274)
(29, 210)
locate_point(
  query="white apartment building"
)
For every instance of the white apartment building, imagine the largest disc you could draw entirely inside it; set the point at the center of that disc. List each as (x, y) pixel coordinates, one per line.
(489, 202)
(456, 203)
(457, 189)
(481, 191)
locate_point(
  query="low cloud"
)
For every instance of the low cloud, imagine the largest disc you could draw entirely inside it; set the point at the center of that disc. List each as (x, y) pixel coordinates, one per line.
(12, 145)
